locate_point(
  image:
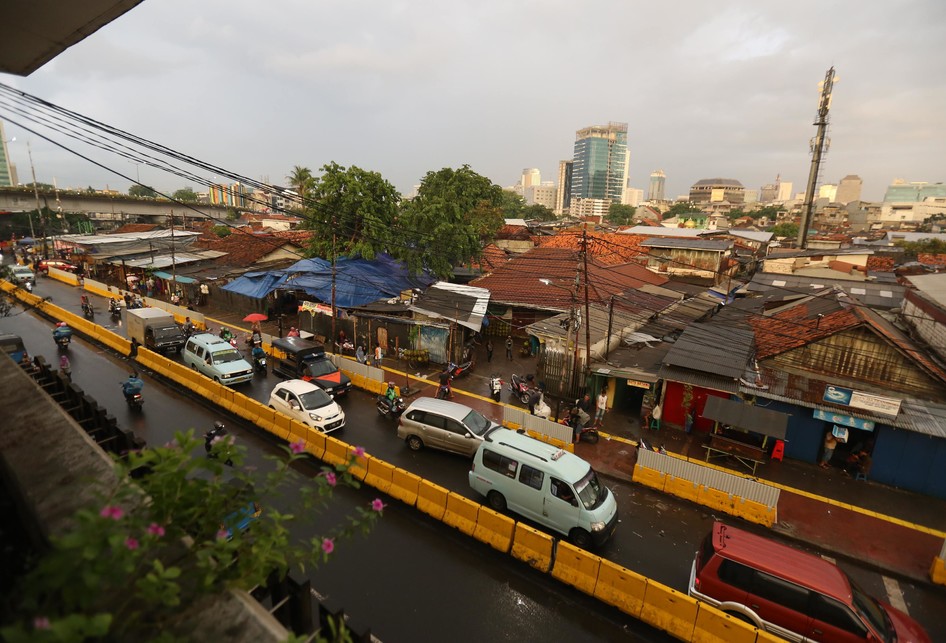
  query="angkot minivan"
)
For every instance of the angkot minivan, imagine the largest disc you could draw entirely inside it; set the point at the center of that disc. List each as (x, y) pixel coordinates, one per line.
(792, 594)
(217, 359)
(545, 484)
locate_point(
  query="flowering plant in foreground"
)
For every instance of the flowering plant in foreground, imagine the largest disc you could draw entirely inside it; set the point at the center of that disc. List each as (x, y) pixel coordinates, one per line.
(178, 526)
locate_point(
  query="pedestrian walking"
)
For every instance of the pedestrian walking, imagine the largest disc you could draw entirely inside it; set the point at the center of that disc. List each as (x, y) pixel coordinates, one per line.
(601, 407)
(377, 356)
(509, 347)
(489, 350)
(830, 442)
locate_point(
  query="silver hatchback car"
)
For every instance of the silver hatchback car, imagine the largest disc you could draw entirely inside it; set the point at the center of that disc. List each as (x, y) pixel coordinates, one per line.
(441, 424)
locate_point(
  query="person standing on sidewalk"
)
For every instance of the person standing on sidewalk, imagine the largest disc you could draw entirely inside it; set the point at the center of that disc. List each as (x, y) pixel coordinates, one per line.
(509, 347)
(830, 442)
(601, 407)
(377, 356)
(489, 350)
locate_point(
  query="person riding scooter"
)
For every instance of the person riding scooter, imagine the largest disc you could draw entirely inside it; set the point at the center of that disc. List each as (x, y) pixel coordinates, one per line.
(390, 395)
(62, 334)
(132, 386)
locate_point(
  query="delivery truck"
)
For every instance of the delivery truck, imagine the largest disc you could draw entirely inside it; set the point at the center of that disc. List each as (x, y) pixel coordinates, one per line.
(154, 329)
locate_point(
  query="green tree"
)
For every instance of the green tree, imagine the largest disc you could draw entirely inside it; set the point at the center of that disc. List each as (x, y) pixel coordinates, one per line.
(619, 214)
(786, 230)
(352, 212)
(455, 213)
(912, 249)
(142, 191)
(301, 181)
(680, 208)
(537, 212)
(185, 195)
(221, 231)
(513, 205)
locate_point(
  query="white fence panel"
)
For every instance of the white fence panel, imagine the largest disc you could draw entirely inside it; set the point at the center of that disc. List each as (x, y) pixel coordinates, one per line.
(514, 415)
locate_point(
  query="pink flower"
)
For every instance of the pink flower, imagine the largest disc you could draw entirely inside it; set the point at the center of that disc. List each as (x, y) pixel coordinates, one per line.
(298, 446)
(113, 512)
(223, 534)
(131, 543)
(359, 452)
(377, 505)
(155, 529)
(330, 478)
(41, 623)
(328, 545)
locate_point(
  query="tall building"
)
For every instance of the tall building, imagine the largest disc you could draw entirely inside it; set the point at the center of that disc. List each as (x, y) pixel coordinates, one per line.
(849, 189)
(7, 171)
(545, 194)
(563, 200)
(828, 191)
(600, 163)
(717, 190)
(530, 176)
(633, 196)
(657, 181)
(784, 191)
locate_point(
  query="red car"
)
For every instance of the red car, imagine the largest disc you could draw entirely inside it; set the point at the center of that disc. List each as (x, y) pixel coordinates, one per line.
(58, 264)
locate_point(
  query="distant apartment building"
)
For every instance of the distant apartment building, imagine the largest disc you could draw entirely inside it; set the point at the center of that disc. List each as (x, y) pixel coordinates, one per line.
(564, 197)
(600, 163)
(784, 191)
(907, 205)
(751, 196)
(902, 192)
(849, 189)
(828, 191)
(545, 194)
(584, 208)
(717, 190)
(530, 176)
(655, 191)
(633, 196)
(780, 191)
(7, 169)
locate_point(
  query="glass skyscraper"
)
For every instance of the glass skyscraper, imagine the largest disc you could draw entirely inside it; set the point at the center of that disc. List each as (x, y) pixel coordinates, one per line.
(601, 163)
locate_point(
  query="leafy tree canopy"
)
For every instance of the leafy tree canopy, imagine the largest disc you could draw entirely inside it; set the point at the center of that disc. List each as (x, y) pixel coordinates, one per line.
(301, 181)
(912, 249)
(537, 212)
(513, 205)
(619, 214)
(353, 212)
(455, 213)
(141, 191)
(681, 207)
(185, 195)
(221, 231)
(788, 230)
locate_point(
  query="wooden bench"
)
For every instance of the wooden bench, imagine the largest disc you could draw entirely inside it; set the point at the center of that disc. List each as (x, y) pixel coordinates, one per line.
(748, 455)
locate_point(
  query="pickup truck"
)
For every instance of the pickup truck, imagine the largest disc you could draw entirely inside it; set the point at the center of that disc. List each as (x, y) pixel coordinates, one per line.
(154, 329)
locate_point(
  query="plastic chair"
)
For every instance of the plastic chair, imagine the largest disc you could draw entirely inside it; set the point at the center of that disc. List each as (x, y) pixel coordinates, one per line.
(654, 424)
(860, 476)
(779, 451)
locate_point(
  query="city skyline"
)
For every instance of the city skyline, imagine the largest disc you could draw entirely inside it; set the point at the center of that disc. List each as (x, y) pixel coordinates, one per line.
(404, 90)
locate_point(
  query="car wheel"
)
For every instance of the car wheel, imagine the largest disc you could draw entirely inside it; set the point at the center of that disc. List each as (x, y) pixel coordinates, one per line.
(580, 538)
(415, 443)
(496, 501)
(194, 367)
(216, 379)
(739, 616)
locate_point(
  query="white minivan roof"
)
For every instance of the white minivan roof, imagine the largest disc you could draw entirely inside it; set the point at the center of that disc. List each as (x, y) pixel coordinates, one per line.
(565, 465)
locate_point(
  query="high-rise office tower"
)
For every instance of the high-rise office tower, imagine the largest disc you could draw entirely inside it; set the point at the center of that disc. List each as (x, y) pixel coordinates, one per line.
(657, 181)
(6, 168)
(563, 200)
(600, 163)
(530, 176)
(849, 189)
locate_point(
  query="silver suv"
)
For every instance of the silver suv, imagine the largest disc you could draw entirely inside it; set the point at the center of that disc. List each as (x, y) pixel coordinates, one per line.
(445, 425)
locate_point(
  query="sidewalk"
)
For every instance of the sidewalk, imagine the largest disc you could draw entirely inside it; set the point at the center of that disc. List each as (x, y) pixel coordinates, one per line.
(867, 521)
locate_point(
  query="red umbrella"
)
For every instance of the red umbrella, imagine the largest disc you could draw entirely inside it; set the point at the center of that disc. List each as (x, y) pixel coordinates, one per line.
(255, 317)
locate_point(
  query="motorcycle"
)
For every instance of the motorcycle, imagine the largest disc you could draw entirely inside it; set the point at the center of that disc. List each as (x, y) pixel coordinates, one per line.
(62, 337)
(87, 310)
(495, 387)
(114, 309)
(521, 388)
(29, 286)
(586, 431)
(259, 363)
(391, 408)
(459, 370)
(444, 392)
(214, 435)
(134, 400)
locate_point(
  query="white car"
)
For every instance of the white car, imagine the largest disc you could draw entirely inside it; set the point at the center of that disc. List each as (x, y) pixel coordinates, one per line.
(22, 274)
(307, 403)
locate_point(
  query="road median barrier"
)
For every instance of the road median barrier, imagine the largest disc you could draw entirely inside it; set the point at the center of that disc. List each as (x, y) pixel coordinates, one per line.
(461, 513)
(669, 610)
(404, 486)
(336, 451)
(576, 567)
(281, 426)
(714, 626)
(938, 571)
(620, 587)
(682, 488)
(380, 474)
(533, 547)
(649, 477)
(494, 529)
(716, 499)
(431, 499)
(359, 464)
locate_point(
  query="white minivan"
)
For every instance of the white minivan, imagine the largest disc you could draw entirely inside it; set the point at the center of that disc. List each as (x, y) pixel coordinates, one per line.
(217, 359)
(545, 484)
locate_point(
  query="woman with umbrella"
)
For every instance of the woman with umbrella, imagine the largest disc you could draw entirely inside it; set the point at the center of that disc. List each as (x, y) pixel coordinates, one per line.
(256, 334)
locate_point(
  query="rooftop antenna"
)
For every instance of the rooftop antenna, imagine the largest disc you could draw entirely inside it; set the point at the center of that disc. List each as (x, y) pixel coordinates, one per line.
(819, 145)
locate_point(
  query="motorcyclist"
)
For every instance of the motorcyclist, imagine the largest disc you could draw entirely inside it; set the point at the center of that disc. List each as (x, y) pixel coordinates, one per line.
(258, 354)
(62, 330)
(86, 304)
(114, 305)
(219, 432)
(445, 378)
(390, 395)
(188, 327)
(132, 386)
(225, 334)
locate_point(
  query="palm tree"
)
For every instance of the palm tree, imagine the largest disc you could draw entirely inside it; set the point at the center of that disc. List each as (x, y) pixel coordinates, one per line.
(301, 181)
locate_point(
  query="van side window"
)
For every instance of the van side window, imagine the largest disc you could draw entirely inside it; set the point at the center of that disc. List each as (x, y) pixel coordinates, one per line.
(455, 427)
(780, 591)
(499, 463)
(531, 477)
(562, 490)
(735, 574)
(832, 612)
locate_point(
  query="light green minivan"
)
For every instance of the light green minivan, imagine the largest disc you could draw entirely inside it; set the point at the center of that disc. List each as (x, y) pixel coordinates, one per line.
(545, 484)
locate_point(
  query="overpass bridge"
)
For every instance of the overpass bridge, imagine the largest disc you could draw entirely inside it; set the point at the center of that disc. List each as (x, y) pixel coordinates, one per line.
(104, 210)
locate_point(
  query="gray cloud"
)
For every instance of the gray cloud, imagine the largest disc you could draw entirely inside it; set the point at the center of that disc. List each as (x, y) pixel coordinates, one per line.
(708, 89)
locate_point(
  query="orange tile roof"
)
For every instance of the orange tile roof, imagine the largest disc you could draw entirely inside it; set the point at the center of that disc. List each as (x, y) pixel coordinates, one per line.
(608, 248)
(136, 227)
(245, 249)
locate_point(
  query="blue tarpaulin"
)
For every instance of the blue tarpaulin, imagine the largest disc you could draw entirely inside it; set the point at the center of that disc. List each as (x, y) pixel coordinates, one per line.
(357, 281)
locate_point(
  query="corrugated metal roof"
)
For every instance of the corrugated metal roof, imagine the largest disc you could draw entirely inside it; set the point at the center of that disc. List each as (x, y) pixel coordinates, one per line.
(872, 294)
(689, 244)
(712, 348)
(463, 304)
(696, 378)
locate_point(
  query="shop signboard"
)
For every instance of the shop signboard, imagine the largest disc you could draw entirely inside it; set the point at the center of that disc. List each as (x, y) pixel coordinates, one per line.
(861, 400)
(846, 420)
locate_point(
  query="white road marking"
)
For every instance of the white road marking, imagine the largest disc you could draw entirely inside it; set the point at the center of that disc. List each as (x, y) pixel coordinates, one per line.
(895, 594)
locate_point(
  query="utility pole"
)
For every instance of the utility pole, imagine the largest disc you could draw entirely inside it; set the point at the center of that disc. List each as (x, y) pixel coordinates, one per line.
(35, 191)
(819, 145)
(173, 262)
(584, 252)
(334, 253)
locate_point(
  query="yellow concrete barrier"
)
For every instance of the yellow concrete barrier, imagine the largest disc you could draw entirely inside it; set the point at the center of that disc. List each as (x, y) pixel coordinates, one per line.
(754, 512)
(716, 499)
(682, 488)
(316, 444)
(669, 610)
(576, 567)
(649, 477)
(359, 465)
(281, 426)
(621, 588)
(431, 499)
(713, 626)
(336, 451)
(494, 529)
(404, 486)
(533, 547)
(379, 474)
(938, 571)
(297, 431)
(461, 513)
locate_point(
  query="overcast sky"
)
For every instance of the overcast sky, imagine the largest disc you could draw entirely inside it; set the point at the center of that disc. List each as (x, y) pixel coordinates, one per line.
(708, 89)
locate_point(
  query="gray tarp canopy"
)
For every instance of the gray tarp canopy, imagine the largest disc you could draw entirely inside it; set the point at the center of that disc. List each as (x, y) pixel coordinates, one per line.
(746, 417)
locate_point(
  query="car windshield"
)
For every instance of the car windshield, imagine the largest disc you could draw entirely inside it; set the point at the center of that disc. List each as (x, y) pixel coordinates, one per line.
(590, 490)
(476, 422)
(319, 367)
(871, 610)
(222, 357)
(314, 399)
